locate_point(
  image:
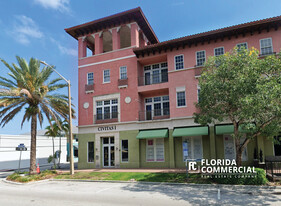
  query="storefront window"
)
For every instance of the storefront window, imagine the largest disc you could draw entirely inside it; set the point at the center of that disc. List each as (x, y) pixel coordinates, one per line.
(155, 150)
(91, 150)
(125, 151)
(192, 148)
(229, 148)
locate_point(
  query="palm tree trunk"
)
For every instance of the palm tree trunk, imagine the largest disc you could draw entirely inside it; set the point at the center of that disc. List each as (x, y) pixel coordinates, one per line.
(32, 169)
(54, 153)
(60, 151)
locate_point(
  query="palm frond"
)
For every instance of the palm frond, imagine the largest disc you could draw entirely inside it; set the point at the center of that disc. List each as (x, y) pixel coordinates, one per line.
(8, 81)
(56, 87)
(54, 81)
(26, 116)
(11, 114)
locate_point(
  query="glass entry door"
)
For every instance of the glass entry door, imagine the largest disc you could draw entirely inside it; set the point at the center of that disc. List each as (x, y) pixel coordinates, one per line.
(108, 152)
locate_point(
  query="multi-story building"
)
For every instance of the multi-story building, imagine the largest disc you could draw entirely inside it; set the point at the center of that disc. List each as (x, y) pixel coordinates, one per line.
(137, 95)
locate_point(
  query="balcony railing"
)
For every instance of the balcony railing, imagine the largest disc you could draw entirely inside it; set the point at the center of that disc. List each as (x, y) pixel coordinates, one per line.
(122, 82)
(153, 79)
(106, 118)
(154, 114)
(89, 88)
(198, 71)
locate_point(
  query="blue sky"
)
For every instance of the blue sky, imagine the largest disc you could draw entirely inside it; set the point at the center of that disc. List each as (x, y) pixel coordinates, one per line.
(35, 28)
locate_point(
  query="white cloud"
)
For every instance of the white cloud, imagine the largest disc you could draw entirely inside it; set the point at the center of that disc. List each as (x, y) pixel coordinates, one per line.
(25, 29)
(63, 49)
(60, 5)
(67, 51)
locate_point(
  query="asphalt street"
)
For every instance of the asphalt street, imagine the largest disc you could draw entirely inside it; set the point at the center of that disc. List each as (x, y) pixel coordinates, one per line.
(100, 193)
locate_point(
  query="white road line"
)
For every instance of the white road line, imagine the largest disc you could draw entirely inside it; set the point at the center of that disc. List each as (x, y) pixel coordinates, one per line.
(107, 188)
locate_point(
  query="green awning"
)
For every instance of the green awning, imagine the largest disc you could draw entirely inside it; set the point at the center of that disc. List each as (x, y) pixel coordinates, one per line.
(190, 131)
(229, 129)
(156, 133)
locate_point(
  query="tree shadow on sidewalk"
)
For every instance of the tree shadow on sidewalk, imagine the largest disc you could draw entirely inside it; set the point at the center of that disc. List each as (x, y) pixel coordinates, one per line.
(208, 195)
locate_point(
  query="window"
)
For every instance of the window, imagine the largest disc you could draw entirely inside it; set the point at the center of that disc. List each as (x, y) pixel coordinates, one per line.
(240, 45)
(90, 78)
(181, 99)
(155, 150)
(192, 148)
(157, 106)
(229, 148)
(198, 93)
(91, 150)
(179, 63)
(266, 46)
(219, 51)
(125, 151)
(156, 73)
(107, 109)
(106, 76)
(123, 72)
(200, 58)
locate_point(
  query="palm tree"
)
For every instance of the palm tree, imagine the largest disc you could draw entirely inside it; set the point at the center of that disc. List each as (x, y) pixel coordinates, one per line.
(65, 129)
(56, 130)
(28, 87)
(53, 131)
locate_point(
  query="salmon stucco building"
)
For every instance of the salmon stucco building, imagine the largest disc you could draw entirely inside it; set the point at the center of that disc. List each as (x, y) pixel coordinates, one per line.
(137, 95)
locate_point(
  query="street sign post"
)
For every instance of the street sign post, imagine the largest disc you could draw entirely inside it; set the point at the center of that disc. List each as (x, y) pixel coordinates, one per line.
(21, 147)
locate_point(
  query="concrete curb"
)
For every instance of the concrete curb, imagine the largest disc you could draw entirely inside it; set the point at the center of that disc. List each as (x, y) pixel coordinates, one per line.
(217, 186)
(22, 183)
(221, 186)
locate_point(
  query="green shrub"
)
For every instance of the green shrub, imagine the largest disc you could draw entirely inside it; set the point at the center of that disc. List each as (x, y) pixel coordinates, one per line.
(27, 178)
(259, 179)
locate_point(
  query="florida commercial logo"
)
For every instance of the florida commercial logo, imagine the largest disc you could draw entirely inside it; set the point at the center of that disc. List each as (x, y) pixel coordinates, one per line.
(220, 168)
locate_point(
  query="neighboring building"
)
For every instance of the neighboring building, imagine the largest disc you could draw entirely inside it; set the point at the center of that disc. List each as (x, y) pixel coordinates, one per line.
(137, 95)
(42, 132)
(9, 157)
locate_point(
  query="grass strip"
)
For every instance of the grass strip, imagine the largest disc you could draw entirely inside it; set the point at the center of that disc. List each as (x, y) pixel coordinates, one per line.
(137, 176)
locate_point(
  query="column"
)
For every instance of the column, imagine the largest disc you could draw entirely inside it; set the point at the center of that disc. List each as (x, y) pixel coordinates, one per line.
(260, 141)
(212, 139)
(98, 43)
(115, 39)
(134, 35)
(171, 149)
(82, 47)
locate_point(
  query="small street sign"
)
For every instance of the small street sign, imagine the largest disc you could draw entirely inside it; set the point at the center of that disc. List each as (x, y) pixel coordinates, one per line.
(21, 147)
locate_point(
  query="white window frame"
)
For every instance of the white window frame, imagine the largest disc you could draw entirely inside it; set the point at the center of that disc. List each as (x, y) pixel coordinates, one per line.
(88, 152)
(154, 149)
(122, 161)
(108, 105)
(244, 158)
(161, 102)
(237, 45)
(180, 89)
(192, 146)
(271, 46)
(200, 58)
(149, 69)
(218, 48)
(88, 77)
(122, 72)
(106, 76)
(179, 62)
